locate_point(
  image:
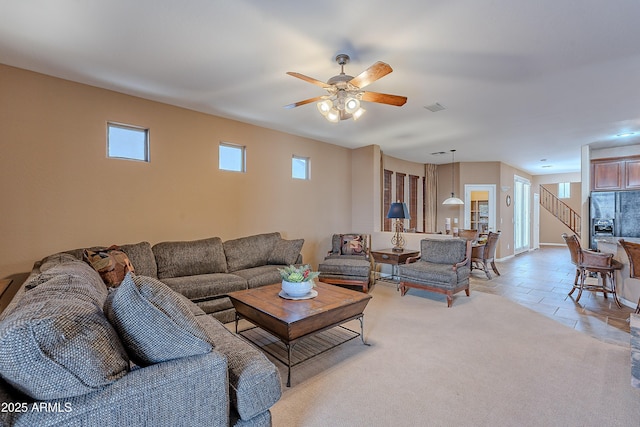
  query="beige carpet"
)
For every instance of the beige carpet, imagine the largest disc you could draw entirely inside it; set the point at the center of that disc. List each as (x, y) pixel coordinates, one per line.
(484, 362)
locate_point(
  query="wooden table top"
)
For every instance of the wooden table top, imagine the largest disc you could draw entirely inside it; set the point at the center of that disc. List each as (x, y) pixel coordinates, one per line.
(292, 319)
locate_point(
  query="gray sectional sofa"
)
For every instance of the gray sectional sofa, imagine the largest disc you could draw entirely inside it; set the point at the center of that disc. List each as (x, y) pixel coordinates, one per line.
(151, 351)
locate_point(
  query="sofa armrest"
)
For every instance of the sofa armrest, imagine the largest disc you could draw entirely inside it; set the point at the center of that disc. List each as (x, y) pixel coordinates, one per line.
(467, 257)
(182, 392)
(412, 259)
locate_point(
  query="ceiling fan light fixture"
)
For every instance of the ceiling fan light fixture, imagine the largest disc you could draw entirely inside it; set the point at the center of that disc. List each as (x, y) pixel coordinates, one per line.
(358, 113)
(351, 105)
(325, 106)
(333, 115)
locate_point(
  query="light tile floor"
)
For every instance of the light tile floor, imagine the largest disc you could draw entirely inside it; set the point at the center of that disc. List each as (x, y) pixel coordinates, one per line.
(541, 281)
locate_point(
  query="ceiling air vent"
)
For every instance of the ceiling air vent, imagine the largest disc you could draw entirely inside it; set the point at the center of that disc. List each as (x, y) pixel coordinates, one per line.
(434, 108)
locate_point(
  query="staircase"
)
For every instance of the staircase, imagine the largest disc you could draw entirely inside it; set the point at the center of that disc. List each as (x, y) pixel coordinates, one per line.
(560, 210)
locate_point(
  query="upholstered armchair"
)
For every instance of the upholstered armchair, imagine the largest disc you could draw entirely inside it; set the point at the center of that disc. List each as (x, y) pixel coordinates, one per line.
(348, 262)
(443, 267)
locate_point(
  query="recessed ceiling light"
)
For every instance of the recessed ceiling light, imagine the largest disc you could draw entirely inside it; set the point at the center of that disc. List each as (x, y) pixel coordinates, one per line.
(546, 166)
(438, 153)
(543, 160)
(625, 134)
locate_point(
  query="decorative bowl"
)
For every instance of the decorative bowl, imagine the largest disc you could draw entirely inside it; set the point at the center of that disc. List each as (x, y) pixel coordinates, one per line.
(297, 289)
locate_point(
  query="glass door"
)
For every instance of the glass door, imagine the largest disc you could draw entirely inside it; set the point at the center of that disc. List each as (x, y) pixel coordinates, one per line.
(521, 214)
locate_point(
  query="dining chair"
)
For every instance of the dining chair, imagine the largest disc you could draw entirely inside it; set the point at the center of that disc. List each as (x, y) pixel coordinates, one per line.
(483, 256)
(633, 252)
(468, 234)
(586, 262)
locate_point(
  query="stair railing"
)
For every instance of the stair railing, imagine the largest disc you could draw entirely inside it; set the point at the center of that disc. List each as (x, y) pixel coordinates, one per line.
(560, 210)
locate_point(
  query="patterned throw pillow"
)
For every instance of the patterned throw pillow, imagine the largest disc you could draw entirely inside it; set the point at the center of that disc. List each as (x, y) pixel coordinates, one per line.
(154, 323)
(112, 264)
(353, 244)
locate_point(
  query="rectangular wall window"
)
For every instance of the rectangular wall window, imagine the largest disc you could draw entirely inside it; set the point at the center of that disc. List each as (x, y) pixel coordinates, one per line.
(413, 202)
(300, 167)
(564, 190)
(232, 157)
(386, 200)
(127, 142)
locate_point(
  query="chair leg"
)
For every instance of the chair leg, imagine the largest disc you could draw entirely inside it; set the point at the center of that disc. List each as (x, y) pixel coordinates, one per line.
(495, 269)
(575, 282)
(582, 274)
(486, 270)
(403, 289)
(467, 291)
(449, 300)
(638, 307)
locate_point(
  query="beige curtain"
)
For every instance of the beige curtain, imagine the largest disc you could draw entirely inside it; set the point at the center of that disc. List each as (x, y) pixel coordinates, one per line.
(430, 197)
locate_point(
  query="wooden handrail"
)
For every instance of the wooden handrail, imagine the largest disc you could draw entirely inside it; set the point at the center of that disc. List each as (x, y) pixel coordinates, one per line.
(560, 210)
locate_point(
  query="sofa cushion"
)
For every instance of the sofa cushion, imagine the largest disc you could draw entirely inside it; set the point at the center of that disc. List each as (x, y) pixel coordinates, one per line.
(252, 251)
(435, 274)
(205, 286)
(112, 264)
(254, 382)
(285, 252)
(260, 276)
(443, 251)
(345, 267)
(142, 258)
(56, 342)
(88, 281)
(154, 323)
(190, 258)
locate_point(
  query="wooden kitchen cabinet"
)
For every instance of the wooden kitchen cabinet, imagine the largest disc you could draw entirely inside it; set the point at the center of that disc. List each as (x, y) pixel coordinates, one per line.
(615, 174)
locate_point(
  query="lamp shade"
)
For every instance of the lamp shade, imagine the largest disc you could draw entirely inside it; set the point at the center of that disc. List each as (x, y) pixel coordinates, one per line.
(398, 210)
(453, 201)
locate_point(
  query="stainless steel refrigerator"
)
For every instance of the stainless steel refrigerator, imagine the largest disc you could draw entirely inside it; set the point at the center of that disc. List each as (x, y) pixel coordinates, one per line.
(614, 213)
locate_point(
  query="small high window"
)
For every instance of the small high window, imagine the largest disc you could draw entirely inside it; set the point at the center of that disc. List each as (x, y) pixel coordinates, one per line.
(300, 167)
(127, 142)
(231, 157)
(564, 190)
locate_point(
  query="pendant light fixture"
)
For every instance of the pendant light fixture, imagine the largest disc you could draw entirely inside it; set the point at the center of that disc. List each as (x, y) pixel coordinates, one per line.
(453, 200)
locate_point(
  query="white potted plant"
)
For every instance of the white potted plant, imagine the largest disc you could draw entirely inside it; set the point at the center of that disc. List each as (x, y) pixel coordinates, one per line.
(297, 281)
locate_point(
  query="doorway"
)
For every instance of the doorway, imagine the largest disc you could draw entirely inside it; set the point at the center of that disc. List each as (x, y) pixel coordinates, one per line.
(521, 214)
(480, 207)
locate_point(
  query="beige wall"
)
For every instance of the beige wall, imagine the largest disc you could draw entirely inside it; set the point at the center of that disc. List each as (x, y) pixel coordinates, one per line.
(59, 191)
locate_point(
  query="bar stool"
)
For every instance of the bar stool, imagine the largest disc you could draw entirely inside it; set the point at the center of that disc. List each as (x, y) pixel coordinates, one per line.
(592, 262)
(633, 252)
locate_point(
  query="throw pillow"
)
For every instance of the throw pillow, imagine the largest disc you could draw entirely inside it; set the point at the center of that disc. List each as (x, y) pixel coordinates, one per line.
(353, 244)
(285, 252)
(154, 323)
(56, 343)
(112, 264)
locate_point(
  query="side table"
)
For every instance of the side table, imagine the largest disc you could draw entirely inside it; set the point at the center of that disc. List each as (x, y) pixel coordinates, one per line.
(388, 256)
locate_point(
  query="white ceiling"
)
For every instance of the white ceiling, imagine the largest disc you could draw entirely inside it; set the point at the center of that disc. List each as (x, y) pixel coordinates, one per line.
(521, 81)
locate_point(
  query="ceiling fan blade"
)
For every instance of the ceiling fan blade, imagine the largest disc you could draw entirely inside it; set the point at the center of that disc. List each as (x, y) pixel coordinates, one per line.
(306, 101)
(384, 98)
(309, 79)
(371, 74)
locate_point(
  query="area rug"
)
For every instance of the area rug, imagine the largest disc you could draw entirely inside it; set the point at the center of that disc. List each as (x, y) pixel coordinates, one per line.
(485, 361)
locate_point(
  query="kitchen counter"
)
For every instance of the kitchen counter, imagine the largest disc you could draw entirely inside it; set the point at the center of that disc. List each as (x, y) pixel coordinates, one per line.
(628, 289)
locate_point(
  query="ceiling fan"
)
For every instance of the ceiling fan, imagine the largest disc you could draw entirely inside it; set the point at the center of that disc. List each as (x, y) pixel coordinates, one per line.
(345, 92)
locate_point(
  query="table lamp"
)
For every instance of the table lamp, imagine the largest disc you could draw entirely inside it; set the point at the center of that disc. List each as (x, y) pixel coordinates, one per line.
(399, 212)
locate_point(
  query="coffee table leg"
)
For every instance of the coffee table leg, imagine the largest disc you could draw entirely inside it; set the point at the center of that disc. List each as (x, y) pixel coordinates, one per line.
(290, 353)
(237, 320)
(361, 319)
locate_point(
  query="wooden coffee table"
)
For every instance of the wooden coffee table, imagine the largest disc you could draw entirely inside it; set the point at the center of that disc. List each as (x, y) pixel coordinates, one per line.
(292, 320)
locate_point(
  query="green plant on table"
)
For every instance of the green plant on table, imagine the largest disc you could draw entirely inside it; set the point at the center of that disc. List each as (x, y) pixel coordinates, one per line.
(299, 274)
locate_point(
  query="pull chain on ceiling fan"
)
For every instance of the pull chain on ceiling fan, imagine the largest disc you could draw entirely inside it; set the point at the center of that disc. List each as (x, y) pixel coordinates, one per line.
(345, 92)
